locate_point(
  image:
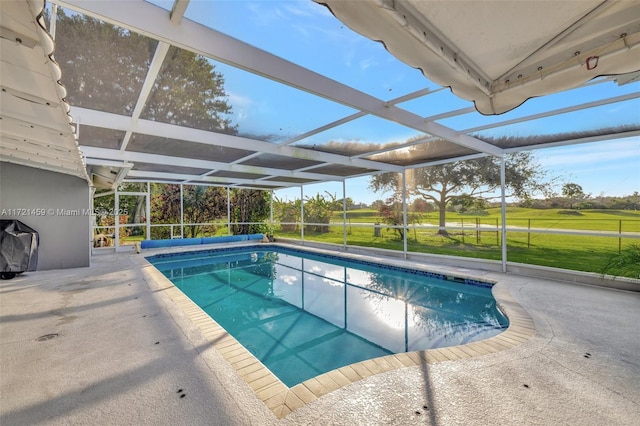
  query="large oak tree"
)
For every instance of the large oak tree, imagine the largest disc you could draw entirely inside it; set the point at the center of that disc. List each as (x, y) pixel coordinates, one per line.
(480, 178)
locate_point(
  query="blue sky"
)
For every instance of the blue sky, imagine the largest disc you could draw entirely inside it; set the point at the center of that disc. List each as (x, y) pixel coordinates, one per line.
(307, 34)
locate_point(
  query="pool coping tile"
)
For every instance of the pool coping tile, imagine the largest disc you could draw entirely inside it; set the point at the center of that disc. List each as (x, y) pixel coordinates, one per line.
(282, 400)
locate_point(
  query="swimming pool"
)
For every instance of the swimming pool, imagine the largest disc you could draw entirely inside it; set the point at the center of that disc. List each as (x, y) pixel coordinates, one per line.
(303, 314)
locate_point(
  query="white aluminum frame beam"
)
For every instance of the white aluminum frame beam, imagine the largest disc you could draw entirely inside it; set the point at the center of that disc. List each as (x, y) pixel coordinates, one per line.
(95, 155)
(351, 117)
(586, 105)
(164, 130)
(140, 174)
(565, 110)
(588, 139)
(154, 69)
(178, 10)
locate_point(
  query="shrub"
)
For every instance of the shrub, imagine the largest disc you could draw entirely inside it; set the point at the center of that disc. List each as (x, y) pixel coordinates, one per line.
(624, 264)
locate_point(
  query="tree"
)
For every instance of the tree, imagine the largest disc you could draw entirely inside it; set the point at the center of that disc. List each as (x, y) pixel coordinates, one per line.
(348, 202)
(202, 204)
(466, 203)
(104, 67)
(318, 210)
(376, 204)
(573, 192)
(393, 214)
(472, 178)
(249, 208)
(635, 200)
(287, 213)
(420, 205)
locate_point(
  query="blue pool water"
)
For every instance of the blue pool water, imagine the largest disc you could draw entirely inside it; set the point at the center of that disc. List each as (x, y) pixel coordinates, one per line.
(304, 314)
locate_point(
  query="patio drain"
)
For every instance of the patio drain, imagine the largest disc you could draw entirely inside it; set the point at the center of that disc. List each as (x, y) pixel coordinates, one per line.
(47, 337)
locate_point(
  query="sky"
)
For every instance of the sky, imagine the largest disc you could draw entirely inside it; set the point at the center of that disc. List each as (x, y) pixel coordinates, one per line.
(306, 33)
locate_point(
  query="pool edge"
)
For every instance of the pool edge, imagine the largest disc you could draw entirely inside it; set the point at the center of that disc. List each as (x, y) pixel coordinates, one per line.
(282, 400)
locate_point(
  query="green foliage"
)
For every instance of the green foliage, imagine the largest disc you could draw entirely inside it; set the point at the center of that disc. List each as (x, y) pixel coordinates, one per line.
(348, 202)
(249, 208)
(467, 204)
(420, 205)
(393, 215)
(318, 210)
(190, 93)
(165, 203)
(377, 203)
(104, 67)
(624, 264)
(202, 205)
(287, 213)
(101, 63)
(573, 192)
(131, 207)
(477, 178)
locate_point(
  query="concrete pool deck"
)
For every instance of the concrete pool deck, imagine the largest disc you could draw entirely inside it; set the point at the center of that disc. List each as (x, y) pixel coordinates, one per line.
(124, 351)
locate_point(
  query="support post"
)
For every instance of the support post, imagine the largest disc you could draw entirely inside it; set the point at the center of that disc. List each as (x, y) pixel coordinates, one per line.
(271, 213)
(503, 214)
(117, 218)
(404, 212)
(148, 207)
(181, 211)
(302, 213)
(228, 213)
(344, 215)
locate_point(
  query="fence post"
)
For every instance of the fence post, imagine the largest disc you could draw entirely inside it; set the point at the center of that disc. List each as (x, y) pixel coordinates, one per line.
(462, 222)
(529, 234)
(620, 236)
(478, 230)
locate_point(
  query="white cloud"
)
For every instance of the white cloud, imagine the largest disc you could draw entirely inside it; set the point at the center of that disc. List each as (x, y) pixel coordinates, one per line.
(239, 100)
(302, 30)
(366, 63)
(300, 9)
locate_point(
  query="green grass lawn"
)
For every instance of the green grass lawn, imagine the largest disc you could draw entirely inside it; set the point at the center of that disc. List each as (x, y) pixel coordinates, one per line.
(588, 220)
(581, 253)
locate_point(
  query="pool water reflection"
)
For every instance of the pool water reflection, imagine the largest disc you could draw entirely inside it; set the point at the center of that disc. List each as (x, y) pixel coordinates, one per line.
(303, 314)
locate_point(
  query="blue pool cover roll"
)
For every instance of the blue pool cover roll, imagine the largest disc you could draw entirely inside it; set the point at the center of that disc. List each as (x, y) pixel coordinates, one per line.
(177, 242)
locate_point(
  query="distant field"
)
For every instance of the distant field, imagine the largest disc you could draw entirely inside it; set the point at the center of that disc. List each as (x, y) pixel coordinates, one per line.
(582, 253)
(588, 220)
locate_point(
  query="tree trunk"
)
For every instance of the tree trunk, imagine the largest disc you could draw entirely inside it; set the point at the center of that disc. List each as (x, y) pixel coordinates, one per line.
(442, 209)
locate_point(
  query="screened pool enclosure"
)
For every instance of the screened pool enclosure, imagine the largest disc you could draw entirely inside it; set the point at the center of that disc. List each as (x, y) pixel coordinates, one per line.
(163, 97)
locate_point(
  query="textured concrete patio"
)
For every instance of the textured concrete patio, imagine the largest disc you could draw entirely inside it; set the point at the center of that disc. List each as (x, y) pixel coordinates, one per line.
(123, 352)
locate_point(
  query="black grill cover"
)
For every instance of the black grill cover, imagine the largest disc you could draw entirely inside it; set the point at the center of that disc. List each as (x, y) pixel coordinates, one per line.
(18, 247)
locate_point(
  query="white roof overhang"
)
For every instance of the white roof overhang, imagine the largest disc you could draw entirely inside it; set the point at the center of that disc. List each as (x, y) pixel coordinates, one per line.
(36, 129)
(498, 54)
